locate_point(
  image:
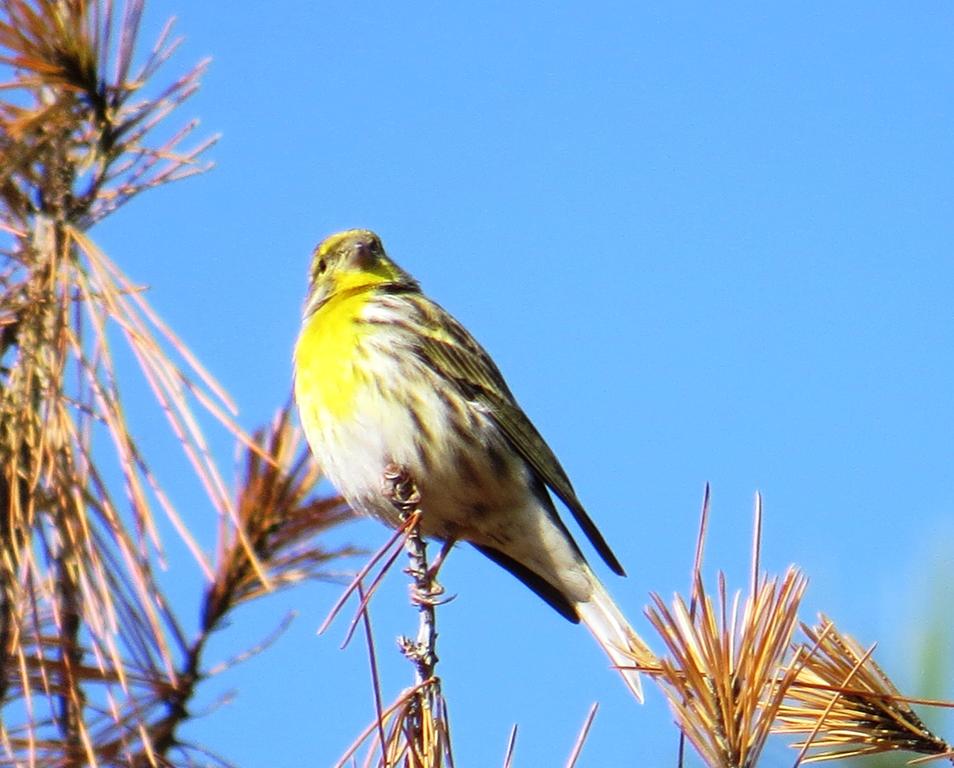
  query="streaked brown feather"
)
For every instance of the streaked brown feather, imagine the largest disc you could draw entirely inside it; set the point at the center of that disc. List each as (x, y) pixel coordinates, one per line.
(453, 352)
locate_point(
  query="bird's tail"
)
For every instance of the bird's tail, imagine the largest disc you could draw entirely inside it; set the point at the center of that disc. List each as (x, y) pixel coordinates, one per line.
(607, 624)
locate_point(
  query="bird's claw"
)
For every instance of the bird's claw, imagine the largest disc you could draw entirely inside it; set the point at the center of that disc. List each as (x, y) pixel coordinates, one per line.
(430, 597)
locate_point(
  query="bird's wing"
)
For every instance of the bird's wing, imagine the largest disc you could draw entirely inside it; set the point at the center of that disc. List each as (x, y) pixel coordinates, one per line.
(454, 352)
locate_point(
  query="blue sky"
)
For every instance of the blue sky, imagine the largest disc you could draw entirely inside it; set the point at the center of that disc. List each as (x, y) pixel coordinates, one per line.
(702, 243)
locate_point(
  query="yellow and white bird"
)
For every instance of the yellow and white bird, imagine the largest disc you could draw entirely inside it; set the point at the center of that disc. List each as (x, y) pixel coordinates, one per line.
(384, 376)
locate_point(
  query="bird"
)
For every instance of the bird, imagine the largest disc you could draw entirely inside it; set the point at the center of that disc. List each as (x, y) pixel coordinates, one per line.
(384, 377)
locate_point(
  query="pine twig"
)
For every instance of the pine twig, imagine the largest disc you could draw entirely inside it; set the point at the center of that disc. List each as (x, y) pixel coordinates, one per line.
(414, 731)
(402, 491)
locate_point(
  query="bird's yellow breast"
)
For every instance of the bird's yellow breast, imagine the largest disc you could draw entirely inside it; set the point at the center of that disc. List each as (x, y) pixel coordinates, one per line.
(328, 375)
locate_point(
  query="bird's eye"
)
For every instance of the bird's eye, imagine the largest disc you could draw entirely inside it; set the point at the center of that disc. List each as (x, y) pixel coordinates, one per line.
(321, 266)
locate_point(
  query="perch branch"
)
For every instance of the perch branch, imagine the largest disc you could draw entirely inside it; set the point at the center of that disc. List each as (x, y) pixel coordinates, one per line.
(422, 652)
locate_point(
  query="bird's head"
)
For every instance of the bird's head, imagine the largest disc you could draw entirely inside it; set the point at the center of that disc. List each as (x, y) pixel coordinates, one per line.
(350, 261)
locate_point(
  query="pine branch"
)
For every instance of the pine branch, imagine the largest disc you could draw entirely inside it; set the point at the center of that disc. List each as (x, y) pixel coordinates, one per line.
(95, 668)
(414, 731)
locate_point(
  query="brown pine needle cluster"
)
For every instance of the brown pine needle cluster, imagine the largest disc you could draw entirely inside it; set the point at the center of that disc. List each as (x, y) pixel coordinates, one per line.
(75, 108)
(726, 674)
(846, 706)
(280, 517)
(413, 732)
(88, 648)
(95, 668)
